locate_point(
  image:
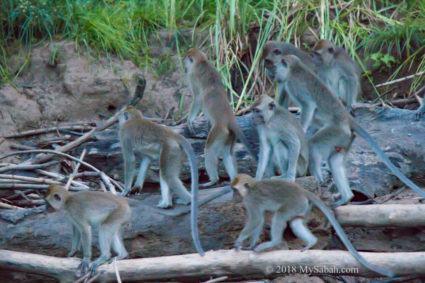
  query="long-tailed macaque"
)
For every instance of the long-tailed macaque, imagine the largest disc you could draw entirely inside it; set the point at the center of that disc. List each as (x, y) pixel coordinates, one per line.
(421, 110)
(338, 71)
(85, 209)
(274, 50)
(209, 94)
(154, 141)
(290, 203)
(281, 137)
(336, 128)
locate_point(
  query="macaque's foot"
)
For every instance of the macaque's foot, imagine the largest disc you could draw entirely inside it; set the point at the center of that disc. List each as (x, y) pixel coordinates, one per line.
(419, 115)
(164, 204)
(266, 246)
(98, 262)
(287, 178)
(237, 246)
(309, 245)
(342, 201)
(84, 266)
(248, 248)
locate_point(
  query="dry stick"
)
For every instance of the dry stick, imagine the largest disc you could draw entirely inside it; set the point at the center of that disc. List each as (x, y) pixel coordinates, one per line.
(108, 183)
(47, 130)
(13, 196)
(9, 206)
(61, 154)
(98, 174)
(22, 194)
(403, 101)
(219, 279)
(81, 279)
(94, 277)
(53, 140)
(86, 277)
(6, 200)
(61, 177)
(400, 80)
(9, 181)
(21, 146)
(20, 186)
(102, 186)
(30, 202)
(28, 179)
(75, 171)
(27, 166)
(138, 95)
(391, 196)
(416, 94)
(116, 270)
(87, 174)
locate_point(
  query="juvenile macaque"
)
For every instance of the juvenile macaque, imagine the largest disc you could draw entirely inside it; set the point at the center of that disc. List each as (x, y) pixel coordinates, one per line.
(291, 204)
(338, 71)
(336, 128)
(281, 140)
(210, 95)
(85, 209)
(154, 141)
(272, 52)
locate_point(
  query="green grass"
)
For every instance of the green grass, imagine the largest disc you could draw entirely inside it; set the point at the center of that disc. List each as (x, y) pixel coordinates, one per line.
(125, 28)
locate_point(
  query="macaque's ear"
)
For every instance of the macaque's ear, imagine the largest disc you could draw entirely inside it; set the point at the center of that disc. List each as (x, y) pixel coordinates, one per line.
(247, 185)
(272, 105)
(190, 59)
(57, 197)
(284, 63)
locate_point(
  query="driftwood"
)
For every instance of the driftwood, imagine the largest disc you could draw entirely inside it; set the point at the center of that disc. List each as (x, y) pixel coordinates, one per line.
(54, 152)
(75, 171)
(236, 264)
(27, 166)
(9, 206)
(48, 130)
(152, 234)
(22, 186)
(396, 131)
(400, 79)
(388, 215)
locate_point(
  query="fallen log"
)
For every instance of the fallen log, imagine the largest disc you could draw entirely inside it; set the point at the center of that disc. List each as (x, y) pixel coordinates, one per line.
(151, 233)
(386, 215)
(235, 264)
(395, 130)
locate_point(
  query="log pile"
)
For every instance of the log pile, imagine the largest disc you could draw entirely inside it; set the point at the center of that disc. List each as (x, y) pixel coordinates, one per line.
(84, 147)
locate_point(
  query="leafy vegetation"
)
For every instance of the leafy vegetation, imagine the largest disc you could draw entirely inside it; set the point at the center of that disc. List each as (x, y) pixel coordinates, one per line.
(391, 32)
